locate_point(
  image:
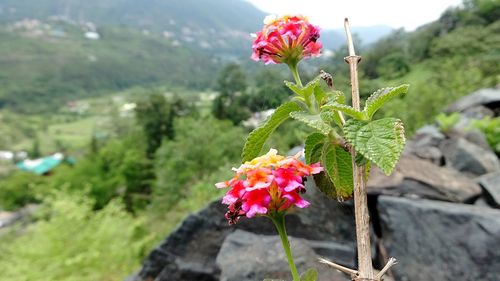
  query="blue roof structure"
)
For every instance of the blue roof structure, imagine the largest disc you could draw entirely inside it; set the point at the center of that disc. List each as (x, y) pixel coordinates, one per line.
(41, 166)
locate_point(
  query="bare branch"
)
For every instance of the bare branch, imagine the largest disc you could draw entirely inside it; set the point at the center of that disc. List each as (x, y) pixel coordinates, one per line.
(361, 214)
(389, 264)
(344, 269)
(350, 43)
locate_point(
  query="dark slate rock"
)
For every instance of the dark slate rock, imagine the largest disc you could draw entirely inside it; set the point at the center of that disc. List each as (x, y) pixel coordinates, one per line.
(246, 256)
(491, 184)
(189, 252)
(487, 97)
(417, 178)
(470, 158)
(437, 241)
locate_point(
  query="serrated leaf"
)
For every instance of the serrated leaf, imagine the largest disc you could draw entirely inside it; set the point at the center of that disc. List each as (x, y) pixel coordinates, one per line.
(331, 116)
(313, 143)
(381, 141)
(325, 185)
(295, 88)
(336, 96)
(310, 275)
(255, 141)
(305, 91)
(382, 96)
(312, 120)
(338, 166)
(349, 110)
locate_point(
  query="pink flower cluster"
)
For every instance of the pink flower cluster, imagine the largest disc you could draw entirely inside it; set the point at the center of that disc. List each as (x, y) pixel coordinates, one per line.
(287, 39)
(269, 183)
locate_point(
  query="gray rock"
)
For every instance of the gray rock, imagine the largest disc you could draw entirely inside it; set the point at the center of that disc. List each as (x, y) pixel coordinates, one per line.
(189, 252)
(478, 138)
(246, 256)
(428, 135)
(478, 112)
(417, 178)
(487, 97)
(437, 241)
(491, 184)
(429, 153)
(481, 202)
(467, 157)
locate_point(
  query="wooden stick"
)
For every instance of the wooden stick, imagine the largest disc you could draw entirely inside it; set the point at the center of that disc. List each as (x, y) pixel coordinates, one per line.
(365, 267)
(388, 265)
(353, 273)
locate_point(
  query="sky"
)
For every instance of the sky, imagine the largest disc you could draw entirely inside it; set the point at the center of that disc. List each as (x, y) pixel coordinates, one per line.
(330, 14)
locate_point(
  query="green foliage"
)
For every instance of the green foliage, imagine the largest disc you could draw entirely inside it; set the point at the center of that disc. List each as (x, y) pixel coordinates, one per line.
(75, 243)
(380, 141)
(446, 122)
(313, 143)
(349, 110)
(312, 120)
(338, 166)
(201, 148)
(19, 189)
(381, 97)
(310, 275)
(156, 117)
(258, 137)
(268, 93)
(230, 103)
(491, 129)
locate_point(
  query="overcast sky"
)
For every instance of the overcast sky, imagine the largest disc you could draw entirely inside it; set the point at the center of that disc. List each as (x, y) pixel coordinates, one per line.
(330, 14)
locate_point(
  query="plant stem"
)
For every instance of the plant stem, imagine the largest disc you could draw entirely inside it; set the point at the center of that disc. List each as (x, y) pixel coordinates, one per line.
(365, 267)
(295, 73)
(279, 221)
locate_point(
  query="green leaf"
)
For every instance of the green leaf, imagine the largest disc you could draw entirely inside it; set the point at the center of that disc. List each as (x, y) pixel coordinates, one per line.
(338, 166)
(349, 110)
(295, 88)
(310, 275)
(331, 116)
(336, 96)
(312, 120)
(305, 91)
(313, 143)
(258, 137)
(381, 141)
(382, 96)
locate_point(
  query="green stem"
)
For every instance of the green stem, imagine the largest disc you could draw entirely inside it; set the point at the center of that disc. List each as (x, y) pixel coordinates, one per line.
(279, 221)
(295, 73)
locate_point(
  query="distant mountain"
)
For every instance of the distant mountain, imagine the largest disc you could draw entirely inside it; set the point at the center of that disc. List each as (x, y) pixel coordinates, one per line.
(368, 35)
(215, 26)
(151, 14)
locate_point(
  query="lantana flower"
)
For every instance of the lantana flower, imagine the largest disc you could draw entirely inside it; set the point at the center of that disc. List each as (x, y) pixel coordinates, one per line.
(286, 39)
(267, 184)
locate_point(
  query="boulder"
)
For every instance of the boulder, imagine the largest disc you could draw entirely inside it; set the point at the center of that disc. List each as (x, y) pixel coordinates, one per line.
(478, 138)
(189, 252)
(416, 178)
(245, 256)
(438, 241)
(478, 112)
(489, 98)
(491, 184)
(465, 156)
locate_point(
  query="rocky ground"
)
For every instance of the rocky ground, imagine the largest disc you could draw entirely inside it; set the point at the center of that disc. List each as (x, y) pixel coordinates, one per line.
(438, 214)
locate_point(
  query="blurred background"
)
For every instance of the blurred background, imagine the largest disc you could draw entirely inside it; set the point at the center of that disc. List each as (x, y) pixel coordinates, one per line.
(118, 116)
